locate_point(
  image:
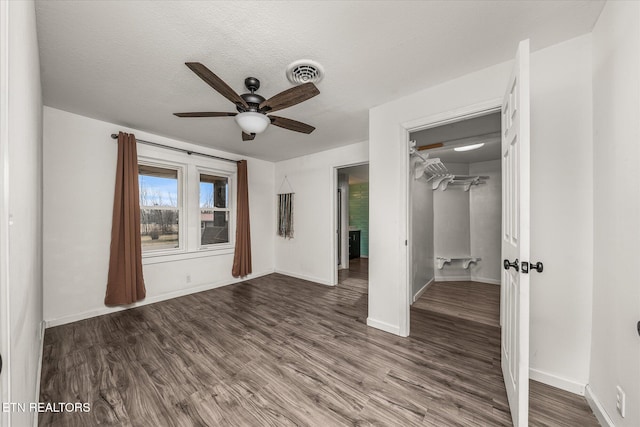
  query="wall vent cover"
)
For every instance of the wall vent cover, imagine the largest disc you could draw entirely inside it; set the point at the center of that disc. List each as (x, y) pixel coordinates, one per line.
(304, 71)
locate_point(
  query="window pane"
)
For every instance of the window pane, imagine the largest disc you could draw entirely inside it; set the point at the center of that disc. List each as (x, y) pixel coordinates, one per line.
(159, 229)
(214, 227)
(214, 191)
(158, 186)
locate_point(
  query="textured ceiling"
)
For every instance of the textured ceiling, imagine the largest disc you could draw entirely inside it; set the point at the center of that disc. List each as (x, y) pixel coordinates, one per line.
(123, 61)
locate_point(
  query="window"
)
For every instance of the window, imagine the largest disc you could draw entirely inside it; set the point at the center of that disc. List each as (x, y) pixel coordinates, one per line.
(186, 206)
(215, 209)
(160, 208)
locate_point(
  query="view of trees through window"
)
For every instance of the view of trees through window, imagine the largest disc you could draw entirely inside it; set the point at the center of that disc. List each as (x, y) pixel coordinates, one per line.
(159, 208)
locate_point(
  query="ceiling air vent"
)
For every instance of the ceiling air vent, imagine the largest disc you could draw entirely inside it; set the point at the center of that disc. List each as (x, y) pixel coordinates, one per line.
(304, 71)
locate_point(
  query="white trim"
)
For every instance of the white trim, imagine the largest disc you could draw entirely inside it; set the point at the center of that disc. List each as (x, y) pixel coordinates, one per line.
(149, 300)
(451, 116)
(335, 264)
(181, 181)
(558, 382)
(39, 370)
(5, 307)
(305, 277)
(202, 253)
(598, 410)
(423, 289)
(231, 207)
(404, 232)
(453, 278)
(383, 326)
(333, 177)
(485, 280)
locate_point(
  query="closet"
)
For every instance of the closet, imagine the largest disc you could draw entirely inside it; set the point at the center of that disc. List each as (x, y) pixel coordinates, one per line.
(455, 206)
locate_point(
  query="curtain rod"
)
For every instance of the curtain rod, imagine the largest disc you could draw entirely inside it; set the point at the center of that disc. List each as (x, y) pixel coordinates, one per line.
(189, 152)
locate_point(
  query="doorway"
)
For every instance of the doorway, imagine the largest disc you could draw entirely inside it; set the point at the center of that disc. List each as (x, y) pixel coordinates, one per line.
(351, 249)
(456, 218)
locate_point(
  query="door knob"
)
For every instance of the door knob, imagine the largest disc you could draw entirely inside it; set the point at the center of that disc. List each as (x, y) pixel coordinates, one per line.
(508, 264)
(538, 266)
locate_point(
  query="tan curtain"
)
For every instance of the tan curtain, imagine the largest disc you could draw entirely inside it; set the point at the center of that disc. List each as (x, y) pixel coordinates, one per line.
(125, 284)
(242, 256)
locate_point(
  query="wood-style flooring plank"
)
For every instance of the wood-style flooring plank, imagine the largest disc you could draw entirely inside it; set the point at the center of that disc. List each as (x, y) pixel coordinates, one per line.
(280, 351)
(475, 301)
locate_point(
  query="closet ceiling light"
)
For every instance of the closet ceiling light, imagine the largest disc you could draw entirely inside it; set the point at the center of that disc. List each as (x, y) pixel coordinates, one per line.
(469, 147)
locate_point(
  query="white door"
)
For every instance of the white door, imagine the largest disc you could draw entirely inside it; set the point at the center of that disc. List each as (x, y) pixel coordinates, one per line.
(5, 395)
(515, 237)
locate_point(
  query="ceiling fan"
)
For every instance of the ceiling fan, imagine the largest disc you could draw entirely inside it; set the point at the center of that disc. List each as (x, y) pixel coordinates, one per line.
(253, 108)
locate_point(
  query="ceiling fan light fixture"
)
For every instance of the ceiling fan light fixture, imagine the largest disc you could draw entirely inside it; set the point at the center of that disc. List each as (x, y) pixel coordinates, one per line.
(470, 147)
(252, 122)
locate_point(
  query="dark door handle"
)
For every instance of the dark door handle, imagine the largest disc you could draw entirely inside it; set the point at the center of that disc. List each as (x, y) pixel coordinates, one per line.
(514, 264)
(538, 266)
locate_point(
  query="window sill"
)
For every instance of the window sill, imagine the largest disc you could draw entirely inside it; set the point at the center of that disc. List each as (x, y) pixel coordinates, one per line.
(200, 253)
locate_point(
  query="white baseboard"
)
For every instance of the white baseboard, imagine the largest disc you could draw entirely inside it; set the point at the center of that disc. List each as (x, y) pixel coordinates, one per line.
(149, 300)
(453, 278)
(485, 280)
(422, 289)
(305, 277)
(558, 382)
(598, 410)
(43, 326)
(383, 326)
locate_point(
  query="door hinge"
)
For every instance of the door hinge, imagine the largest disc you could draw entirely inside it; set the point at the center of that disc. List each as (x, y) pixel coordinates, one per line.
(406, 243)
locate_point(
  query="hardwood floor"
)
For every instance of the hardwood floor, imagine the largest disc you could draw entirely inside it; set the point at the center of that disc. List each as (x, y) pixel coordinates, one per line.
(280, 351)
(477, 306)
(478, 302)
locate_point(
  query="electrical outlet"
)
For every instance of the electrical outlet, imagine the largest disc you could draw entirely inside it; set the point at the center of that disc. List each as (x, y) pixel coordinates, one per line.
(620, 400)
(188, 278)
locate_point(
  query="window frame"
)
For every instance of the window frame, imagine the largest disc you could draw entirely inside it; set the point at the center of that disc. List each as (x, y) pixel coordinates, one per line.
(191, 166)
(201, 170)
(181, 205)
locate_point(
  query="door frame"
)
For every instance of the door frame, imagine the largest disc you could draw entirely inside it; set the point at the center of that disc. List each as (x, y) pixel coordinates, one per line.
(428, 122)
(5, 350)
(334, 209)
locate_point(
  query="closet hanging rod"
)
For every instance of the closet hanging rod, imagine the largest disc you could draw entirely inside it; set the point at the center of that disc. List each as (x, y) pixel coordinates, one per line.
(168, 147)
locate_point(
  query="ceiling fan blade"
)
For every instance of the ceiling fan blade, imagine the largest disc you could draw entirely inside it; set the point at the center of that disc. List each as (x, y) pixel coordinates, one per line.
(216, 82)
(247, 136)
(205, 114)
(431, 146)
(289, 97)
(291, 124)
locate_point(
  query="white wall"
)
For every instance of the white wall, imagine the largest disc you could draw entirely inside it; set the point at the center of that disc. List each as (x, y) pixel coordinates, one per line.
(387, 177)
(21, 109)
(615, 350)
(561, 213)
(561, 202)
(79, 176)
(309, 255)
(451, 227)
(421, 211)
(485, 216)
